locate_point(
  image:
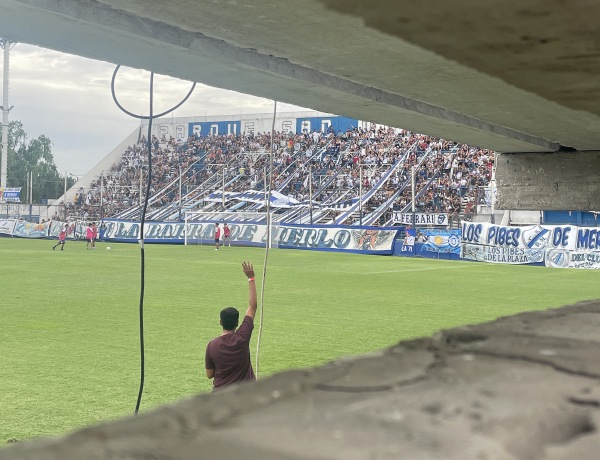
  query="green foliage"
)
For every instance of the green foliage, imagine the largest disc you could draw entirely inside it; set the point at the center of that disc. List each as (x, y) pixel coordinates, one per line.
(35, 156)
(70, 350)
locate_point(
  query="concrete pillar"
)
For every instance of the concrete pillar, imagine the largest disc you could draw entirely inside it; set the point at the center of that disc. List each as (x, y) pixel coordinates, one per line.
(548, 181)
(5, 45)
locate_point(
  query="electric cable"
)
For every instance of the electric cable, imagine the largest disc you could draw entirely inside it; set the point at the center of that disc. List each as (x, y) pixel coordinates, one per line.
(142, 252)
(150, 118)
(268, 243)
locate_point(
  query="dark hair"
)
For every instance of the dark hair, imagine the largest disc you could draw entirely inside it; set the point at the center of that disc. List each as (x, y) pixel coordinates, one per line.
(229, 318)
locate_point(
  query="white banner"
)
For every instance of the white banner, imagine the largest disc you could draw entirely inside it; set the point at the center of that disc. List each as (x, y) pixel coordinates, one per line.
(421, 218)
(530, 236)
(369, 239)
(501, 255)
(365, 239)
(559, 246)
(562, 258)
(278, 200)
(7, 226)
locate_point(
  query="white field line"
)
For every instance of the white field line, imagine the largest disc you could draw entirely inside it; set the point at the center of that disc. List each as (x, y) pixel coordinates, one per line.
(413, 270)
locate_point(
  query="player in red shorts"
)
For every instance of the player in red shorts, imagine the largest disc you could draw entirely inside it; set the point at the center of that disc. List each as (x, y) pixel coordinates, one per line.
(62, 236)
(89, 237)
(94, 235)
(226, 235)
(217, 236)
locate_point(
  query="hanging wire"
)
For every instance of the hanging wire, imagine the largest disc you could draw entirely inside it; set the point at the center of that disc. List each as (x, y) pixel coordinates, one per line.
(142, 252)
(144, 117)
(268, 243)
(150, 118)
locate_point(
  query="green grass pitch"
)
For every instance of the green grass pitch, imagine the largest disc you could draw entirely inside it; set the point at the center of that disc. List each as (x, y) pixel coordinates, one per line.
(69, 344)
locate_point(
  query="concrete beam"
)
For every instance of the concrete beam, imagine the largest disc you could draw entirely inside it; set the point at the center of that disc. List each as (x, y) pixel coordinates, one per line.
(548, 47)
(543, 181)
(522, 387)
(316, 58)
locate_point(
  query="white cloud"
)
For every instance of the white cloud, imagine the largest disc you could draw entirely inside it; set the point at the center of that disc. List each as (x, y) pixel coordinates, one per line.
(68, 99)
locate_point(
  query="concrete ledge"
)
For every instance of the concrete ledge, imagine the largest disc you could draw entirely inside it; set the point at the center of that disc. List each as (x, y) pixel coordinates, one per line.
(543, 181)
(521, 387)
(322, 57)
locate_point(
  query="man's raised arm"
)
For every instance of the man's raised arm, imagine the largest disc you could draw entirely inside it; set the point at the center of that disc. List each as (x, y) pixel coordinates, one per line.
(252, 304)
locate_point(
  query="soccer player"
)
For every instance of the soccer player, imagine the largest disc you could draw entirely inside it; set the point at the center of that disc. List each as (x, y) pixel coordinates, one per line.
(217, 236)
(62, 236)
(89, 237)
(94, 235)
(227, 359)
(226, 235)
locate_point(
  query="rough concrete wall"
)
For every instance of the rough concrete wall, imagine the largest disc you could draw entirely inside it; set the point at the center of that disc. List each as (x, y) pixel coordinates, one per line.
(548, 47)
(525, 387)
(368, 60)
(544, 181)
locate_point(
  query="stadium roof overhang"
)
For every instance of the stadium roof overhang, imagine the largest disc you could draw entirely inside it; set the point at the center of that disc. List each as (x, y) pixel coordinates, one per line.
(516, 76)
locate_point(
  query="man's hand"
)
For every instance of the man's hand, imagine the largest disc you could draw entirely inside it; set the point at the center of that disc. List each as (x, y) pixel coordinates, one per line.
(252, 304)
(248, 269)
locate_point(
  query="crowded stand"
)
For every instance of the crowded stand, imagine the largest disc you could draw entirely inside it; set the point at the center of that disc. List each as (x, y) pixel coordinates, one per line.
(335, 169)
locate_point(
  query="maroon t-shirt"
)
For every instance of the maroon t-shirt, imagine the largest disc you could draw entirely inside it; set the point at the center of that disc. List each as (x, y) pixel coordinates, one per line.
(229, 356)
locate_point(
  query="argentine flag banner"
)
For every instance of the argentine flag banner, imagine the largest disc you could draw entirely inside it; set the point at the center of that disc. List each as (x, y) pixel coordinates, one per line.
(447, 241)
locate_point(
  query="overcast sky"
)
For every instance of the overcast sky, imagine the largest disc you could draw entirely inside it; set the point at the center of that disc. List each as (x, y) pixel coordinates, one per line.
(68, 99)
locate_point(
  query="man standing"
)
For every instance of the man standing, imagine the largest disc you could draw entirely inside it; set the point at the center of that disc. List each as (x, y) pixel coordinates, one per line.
(88, 236)
(94, 235)
(226, 235)
(217, 236)
(62, 236)
(227, 357)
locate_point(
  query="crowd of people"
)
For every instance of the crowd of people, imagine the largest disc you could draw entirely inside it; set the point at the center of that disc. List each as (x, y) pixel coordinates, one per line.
(446, 181)
(341, 165)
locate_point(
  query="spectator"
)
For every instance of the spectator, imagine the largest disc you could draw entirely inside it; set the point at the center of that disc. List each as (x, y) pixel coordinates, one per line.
(447, 174)
(227, 358)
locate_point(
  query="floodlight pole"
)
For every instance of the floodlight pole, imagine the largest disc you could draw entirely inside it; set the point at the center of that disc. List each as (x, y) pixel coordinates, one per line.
(29, 188)
(65, 197)
(7, 45)
(30, 195)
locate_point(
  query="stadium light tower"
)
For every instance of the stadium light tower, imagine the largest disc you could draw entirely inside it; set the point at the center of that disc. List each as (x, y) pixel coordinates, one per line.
(6, 45)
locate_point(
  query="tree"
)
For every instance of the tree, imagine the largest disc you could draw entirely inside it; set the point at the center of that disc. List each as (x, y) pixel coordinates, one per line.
(33, 156)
